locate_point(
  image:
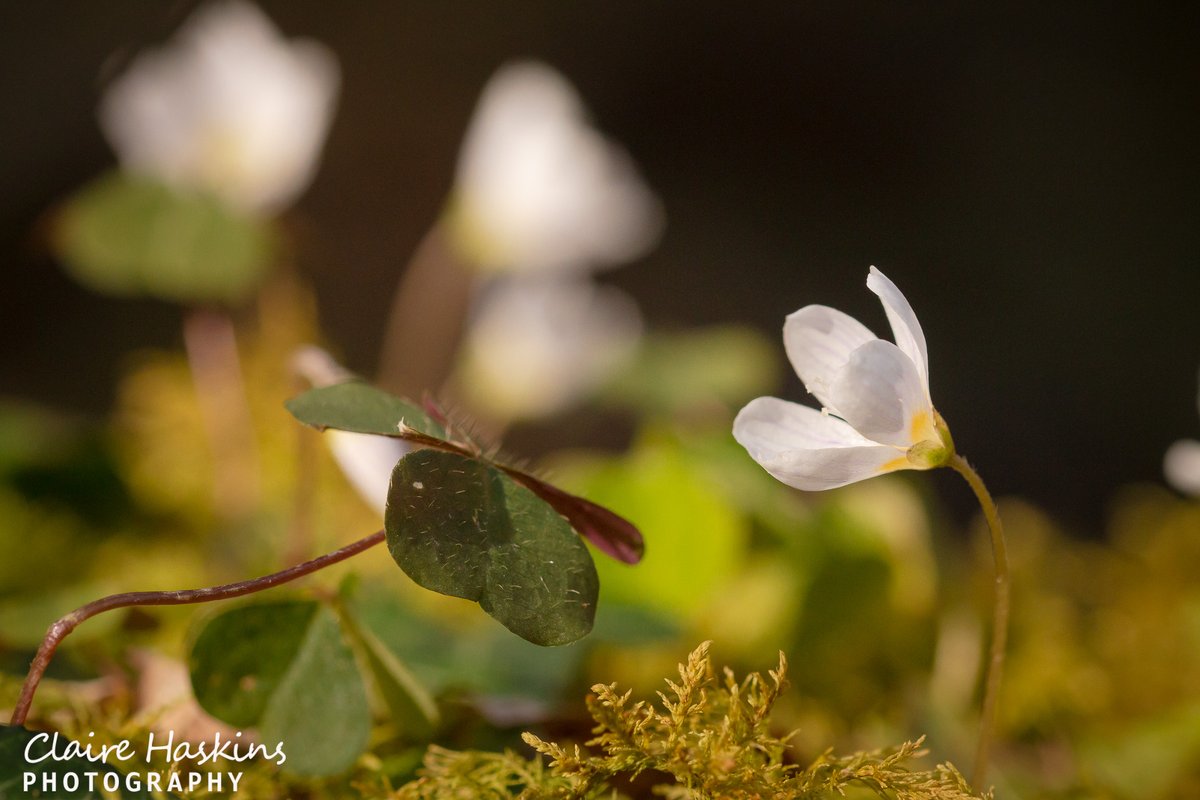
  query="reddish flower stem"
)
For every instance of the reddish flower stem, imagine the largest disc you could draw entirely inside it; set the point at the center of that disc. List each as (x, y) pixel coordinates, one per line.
(59, 630)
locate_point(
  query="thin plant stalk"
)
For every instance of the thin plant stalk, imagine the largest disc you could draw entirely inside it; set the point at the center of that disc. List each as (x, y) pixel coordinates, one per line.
(59, 630)
(426, 319)
(211, 345)
(995, 663)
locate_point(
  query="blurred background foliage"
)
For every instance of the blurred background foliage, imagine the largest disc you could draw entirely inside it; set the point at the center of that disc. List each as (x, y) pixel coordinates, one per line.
(1026, 177)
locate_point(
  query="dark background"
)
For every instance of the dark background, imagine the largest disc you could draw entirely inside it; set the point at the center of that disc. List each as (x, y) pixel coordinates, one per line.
(1026, 173)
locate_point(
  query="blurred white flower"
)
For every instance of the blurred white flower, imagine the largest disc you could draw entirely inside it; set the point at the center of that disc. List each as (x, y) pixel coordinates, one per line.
(877, 415)
(228, 106)
(537, 344)
(539, 189)
(366, 461)
(1181, 465)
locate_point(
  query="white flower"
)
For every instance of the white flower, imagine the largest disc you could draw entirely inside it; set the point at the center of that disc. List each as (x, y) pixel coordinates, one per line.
(1181, 465)
(228, 107)
(877, 415)
(537, 344)
(366, 460)
(540, 189)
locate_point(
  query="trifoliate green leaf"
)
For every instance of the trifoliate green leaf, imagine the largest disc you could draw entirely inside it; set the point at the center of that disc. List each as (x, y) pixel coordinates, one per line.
(461, 527)
(129, 235)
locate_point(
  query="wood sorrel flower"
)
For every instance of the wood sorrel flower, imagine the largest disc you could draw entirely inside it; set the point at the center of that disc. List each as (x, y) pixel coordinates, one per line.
(876, 417)
(539, 189)
(877, 414)
(228, 107)
(1181, 465)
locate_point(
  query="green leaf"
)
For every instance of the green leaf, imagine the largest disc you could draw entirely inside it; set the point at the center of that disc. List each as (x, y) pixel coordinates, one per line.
(68, 778)
(611, 533)
(128, 235)
(464, 528)
(286, 668)
(361, 408)
(410, 706)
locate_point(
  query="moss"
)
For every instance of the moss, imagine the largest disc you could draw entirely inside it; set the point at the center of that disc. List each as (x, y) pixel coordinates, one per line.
(709, 736)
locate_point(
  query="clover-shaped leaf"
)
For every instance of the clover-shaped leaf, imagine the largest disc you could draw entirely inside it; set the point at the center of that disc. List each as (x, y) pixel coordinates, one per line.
(463, 524)
(129, 235)
(286, 668)
(461, 527)
(304, 672)
(358, 407)
(361, 408)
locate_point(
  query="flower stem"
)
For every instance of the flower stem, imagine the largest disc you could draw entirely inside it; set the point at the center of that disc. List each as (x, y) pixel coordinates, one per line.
(59, 630)
(425, 323)
(995, 668)
(212, 352)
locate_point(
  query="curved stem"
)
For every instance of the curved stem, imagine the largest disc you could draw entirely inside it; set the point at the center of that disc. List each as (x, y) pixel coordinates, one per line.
(995, 668)
(59, 630)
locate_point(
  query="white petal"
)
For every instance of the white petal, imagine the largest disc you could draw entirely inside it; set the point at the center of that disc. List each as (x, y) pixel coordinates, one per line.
(367, 462)
(882, 396)
(807, 449)
(536, 345)
(1181, 465)
(905, 327)
(540, 188)
(318, 367)
(228, 106)
(819, 341)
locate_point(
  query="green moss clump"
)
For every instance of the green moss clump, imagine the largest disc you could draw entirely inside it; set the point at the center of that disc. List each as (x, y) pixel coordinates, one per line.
(708, 738)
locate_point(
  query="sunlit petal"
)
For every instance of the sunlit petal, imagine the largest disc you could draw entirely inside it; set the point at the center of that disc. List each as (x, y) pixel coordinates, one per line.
(770, 427)
(880, 394)
(807, 449)
(1181, 465)
(367, 462)
(905, 327)
(819, 341)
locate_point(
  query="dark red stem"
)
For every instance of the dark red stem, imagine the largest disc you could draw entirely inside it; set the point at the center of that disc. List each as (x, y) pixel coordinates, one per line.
(59, 630)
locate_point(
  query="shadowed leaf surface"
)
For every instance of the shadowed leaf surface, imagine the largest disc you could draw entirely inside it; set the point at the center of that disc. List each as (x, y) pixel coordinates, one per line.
(286, 668)
(463, 528)
(611, 534)
(361, 408)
